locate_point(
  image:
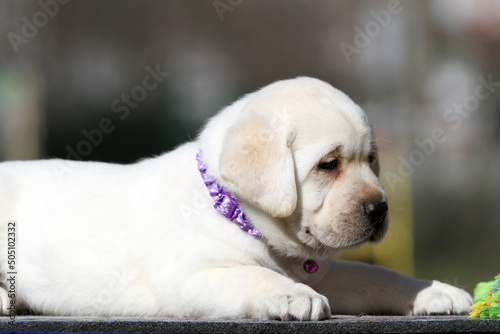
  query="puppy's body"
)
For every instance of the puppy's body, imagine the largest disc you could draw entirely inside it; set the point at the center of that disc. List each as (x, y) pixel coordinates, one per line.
(144, 239)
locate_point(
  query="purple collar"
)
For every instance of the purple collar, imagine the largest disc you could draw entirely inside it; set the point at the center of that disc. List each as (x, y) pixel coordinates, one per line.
(224, 202)
(228, 206)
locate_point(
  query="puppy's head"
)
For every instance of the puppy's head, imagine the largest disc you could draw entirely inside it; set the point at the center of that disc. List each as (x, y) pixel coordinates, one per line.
(304, 153)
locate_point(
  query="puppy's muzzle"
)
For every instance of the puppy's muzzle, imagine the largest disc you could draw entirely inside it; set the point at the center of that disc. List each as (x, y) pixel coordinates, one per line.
(377, 213)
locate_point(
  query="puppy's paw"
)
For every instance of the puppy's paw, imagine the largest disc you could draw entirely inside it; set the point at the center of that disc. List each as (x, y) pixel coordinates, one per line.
(294, 302)
(440, 298)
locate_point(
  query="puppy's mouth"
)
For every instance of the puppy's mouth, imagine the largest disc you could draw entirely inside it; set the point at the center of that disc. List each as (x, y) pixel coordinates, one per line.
(332, 239)
(375, 233)
(379, 229)
(330, 243)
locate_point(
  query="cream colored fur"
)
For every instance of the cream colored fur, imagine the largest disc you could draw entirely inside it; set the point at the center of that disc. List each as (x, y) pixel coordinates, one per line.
(144, 240)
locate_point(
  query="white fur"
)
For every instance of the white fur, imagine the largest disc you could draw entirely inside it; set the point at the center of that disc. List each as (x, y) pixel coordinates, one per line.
(144, 240)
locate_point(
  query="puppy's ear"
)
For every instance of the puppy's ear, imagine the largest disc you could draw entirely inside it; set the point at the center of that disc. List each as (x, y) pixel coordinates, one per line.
(257, 162)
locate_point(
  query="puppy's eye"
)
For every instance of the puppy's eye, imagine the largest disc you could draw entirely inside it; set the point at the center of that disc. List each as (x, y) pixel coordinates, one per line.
(371, 158)
(329, 165)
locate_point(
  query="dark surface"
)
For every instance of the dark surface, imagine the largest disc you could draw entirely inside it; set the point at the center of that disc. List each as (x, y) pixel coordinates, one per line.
(338, 324)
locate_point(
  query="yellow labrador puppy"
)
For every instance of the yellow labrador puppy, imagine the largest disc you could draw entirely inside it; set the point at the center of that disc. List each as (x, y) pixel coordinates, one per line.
(241, 223)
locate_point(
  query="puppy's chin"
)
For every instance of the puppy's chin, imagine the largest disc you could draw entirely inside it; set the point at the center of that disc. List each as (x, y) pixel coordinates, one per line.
(380, 231)
(324, 242)
(377, 237)
(332, 241)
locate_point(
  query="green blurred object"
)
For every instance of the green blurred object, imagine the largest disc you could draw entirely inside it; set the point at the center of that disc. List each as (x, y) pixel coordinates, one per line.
(482, 290)
(487, 300)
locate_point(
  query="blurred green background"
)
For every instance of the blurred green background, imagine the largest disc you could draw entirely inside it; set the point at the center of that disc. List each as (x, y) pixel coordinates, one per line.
(87, 80)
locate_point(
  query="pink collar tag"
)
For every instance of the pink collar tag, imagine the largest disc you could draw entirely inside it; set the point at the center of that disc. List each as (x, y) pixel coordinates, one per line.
(311, 266)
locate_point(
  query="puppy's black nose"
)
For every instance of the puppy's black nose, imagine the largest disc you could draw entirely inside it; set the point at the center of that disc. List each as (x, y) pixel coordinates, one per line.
(376, 210)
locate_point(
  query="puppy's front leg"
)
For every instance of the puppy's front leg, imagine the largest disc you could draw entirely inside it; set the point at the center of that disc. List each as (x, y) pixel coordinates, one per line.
(251, 292)
(355, 288)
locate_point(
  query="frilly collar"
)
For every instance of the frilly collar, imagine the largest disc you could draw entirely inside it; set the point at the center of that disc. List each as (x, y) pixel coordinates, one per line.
(228, 206)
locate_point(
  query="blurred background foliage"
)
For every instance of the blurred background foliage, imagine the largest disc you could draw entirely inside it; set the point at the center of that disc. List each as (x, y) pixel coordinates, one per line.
(426, 72)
